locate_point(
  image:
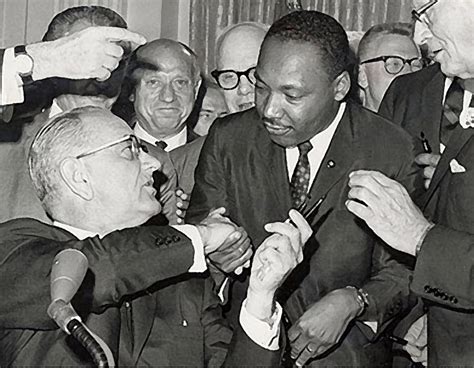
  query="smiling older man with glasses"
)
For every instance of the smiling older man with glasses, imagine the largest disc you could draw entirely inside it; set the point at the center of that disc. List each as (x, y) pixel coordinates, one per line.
(423, 103)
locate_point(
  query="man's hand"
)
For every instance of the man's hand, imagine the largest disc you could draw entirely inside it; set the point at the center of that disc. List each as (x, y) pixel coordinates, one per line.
(387, 209)
(323, 324)
(417, 338)
(429, 161)
(182, 204)
(91, 53)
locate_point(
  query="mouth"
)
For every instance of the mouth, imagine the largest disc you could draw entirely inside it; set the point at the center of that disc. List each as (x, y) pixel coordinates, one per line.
(245, 106)
(435, 53)
(276, 129)
(149, 185)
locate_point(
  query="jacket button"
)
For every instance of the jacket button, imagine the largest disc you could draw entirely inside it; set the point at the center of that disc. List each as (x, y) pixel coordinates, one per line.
(168, 240)
(159, 241)
(331, 164)
(427, 289)
(176, 238)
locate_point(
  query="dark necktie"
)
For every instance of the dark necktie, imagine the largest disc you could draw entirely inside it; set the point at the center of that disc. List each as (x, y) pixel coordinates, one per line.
(300, 179)
(161, 144)
(451, 110)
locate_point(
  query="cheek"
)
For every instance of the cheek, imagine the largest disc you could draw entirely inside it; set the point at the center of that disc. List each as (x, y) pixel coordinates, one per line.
(230, 97)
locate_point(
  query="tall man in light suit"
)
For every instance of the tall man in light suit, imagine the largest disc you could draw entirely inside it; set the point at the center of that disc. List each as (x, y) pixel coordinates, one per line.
(93, 179)
(442, 276)
(348, 278)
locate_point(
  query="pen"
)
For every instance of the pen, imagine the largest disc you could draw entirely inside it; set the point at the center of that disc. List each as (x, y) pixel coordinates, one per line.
(425, 143)
(308, 213)
(397, 339)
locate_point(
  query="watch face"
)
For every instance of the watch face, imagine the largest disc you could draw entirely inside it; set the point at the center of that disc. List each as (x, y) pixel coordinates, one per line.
(24, 64)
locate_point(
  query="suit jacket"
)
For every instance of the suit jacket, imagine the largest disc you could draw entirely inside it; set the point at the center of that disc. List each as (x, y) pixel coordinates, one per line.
(442, 277)
(18, 195)
(185, 159)
(242, 169)
(124, 265)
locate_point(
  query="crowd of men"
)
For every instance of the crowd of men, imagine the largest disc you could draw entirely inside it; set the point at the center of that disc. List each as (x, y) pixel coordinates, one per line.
(264, 215)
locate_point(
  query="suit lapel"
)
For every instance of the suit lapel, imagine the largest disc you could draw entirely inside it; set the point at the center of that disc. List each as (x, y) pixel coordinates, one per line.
(338, 159)
(456, 143)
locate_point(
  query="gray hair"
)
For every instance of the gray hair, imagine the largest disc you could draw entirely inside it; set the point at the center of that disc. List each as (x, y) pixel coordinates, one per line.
(65, 135)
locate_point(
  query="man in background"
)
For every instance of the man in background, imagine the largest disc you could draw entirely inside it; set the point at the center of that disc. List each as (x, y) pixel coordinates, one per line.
(236, 57)
(385, 51)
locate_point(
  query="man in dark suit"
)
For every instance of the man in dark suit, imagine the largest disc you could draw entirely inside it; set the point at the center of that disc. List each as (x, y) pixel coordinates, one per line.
(444, 251)
(93, 184)
(251, 165)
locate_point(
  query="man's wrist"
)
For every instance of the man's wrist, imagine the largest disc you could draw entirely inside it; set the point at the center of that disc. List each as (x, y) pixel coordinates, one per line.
(361, 299)
(261, 305)
(204, 233)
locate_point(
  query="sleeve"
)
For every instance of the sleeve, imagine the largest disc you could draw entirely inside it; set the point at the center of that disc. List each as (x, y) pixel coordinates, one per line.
(210, 181)
(444, 271)
(11, 84)
(122, 263)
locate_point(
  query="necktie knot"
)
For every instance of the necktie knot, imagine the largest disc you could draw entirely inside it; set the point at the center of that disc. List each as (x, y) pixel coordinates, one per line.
(161, 144)
(305, 147)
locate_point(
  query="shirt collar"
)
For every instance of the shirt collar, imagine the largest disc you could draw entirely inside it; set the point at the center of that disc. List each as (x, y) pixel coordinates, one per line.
(172, 142)
(78, 233)
(55, 109)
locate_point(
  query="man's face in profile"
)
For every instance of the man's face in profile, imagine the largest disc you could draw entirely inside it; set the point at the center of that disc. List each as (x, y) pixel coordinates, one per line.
(121, 180)
(213, 107)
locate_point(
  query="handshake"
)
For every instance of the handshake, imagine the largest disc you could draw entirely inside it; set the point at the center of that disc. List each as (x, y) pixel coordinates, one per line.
(228, 248)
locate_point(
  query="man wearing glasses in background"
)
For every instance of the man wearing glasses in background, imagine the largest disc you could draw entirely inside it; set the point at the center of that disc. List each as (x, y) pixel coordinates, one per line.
(385, 51)
(236, 57)
(438, 103)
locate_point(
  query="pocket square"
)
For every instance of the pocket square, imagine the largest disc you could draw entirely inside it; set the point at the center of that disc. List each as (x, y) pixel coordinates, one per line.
(456, 167)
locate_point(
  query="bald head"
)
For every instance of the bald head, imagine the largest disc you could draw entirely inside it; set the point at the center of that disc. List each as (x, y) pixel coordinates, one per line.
(167, 79)
(237, 49)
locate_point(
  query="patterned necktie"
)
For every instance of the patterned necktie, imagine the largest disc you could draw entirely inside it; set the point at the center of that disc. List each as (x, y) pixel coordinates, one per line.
(161, 144)
(300, 179)
(451, 110)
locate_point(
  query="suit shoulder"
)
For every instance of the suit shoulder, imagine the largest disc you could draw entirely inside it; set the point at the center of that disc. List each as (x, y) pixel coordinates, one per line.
(237, 123)
(417, 79)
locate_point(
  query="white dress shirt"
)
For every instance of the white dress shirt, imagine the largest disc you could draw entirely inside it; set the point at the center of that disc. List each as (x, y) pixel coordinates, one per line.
(264, 334)
(12, 85)
(173, 142)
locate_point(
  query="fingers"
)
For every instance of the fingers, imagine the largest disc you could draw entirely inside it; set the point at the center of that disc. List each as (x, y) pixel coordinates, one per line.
(120, 34)
(302, 225)
(360, 210)
(113, 50)
(289, 231)
(427, 159)
(217, 211)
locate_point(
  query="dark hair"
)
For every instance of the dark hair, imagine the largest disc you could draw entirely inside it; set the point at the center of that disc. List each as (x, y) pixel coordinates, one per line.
(373, 33)
(95, 15)
(319, 29)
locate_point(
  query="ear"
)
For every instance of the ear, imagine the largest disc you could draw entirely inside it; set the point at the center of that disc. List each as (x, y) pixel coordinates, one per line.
(196, 88)
(76, 178)
(342, 85)
(362, 79)
(131, 98)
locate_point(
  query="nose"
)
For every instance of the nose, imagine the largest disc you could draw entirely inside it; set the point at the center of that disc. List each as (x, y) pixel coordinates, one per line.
(245, 87)
(422, 33)
(148, 162)
(272, 109)
(167, 93)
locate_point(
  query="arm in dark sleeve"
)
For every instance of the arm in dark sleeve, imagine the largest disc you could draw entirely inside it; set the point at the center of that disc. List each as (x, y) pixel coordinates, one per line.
(444, 271)
(124, 262)
(210, 182)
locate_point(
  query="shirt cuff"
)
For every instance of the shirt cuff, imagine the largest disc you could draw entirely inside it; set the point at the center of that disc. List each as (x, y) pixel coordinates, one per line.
(260, 332)
(199, 264)
(12, 85)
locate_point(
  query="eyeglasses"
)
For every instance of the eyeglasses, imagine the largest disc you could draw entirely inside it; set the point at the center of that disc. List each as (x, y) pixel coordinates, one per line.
(230, 79)
(394, 64)
(135, 147)
(420, 13)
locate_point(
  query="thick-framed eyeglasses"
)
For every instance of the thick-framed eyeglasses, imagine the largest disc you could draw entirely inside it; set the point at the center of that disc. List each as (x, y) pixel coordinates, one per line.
(394, 64)
(230, 79)
(135, 147)
(420, 13)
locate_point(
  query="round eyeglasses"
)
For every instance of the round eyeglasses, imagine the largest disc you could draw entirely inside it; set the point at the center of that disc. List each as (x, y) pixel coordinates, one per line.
(135, 147)
(394, 64)
(230, 79)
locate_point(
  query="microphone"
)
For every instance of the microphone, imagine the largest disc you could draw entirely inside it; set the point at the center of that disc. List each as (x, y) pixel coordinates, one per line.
(67, 273)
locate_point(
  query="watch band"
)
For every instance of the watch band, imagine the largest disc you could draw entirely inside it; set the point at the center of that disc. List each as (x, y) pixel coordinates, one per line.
(26, 77)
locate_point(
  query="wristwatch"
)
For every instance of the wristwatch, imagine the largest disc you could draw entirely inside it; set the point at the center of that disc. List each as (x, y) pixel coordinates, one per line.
(24, 64)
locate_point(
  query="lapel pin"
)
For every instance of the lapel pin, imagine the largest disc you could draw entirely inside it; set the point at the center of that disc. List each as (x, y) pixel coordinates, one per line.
(331, 164)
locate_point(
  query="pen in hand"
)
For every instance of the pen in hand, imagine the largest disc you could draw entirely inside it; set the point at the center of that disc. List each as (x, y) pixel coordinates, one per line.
(425, 143)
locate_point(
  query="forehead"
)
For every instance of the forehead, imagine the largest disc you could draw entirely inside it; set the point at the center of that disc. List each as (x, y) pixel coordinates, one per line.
(105, 126)
(393, 44)
(213, 97)
(168, 59)
(239, 48)
(291, 62)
